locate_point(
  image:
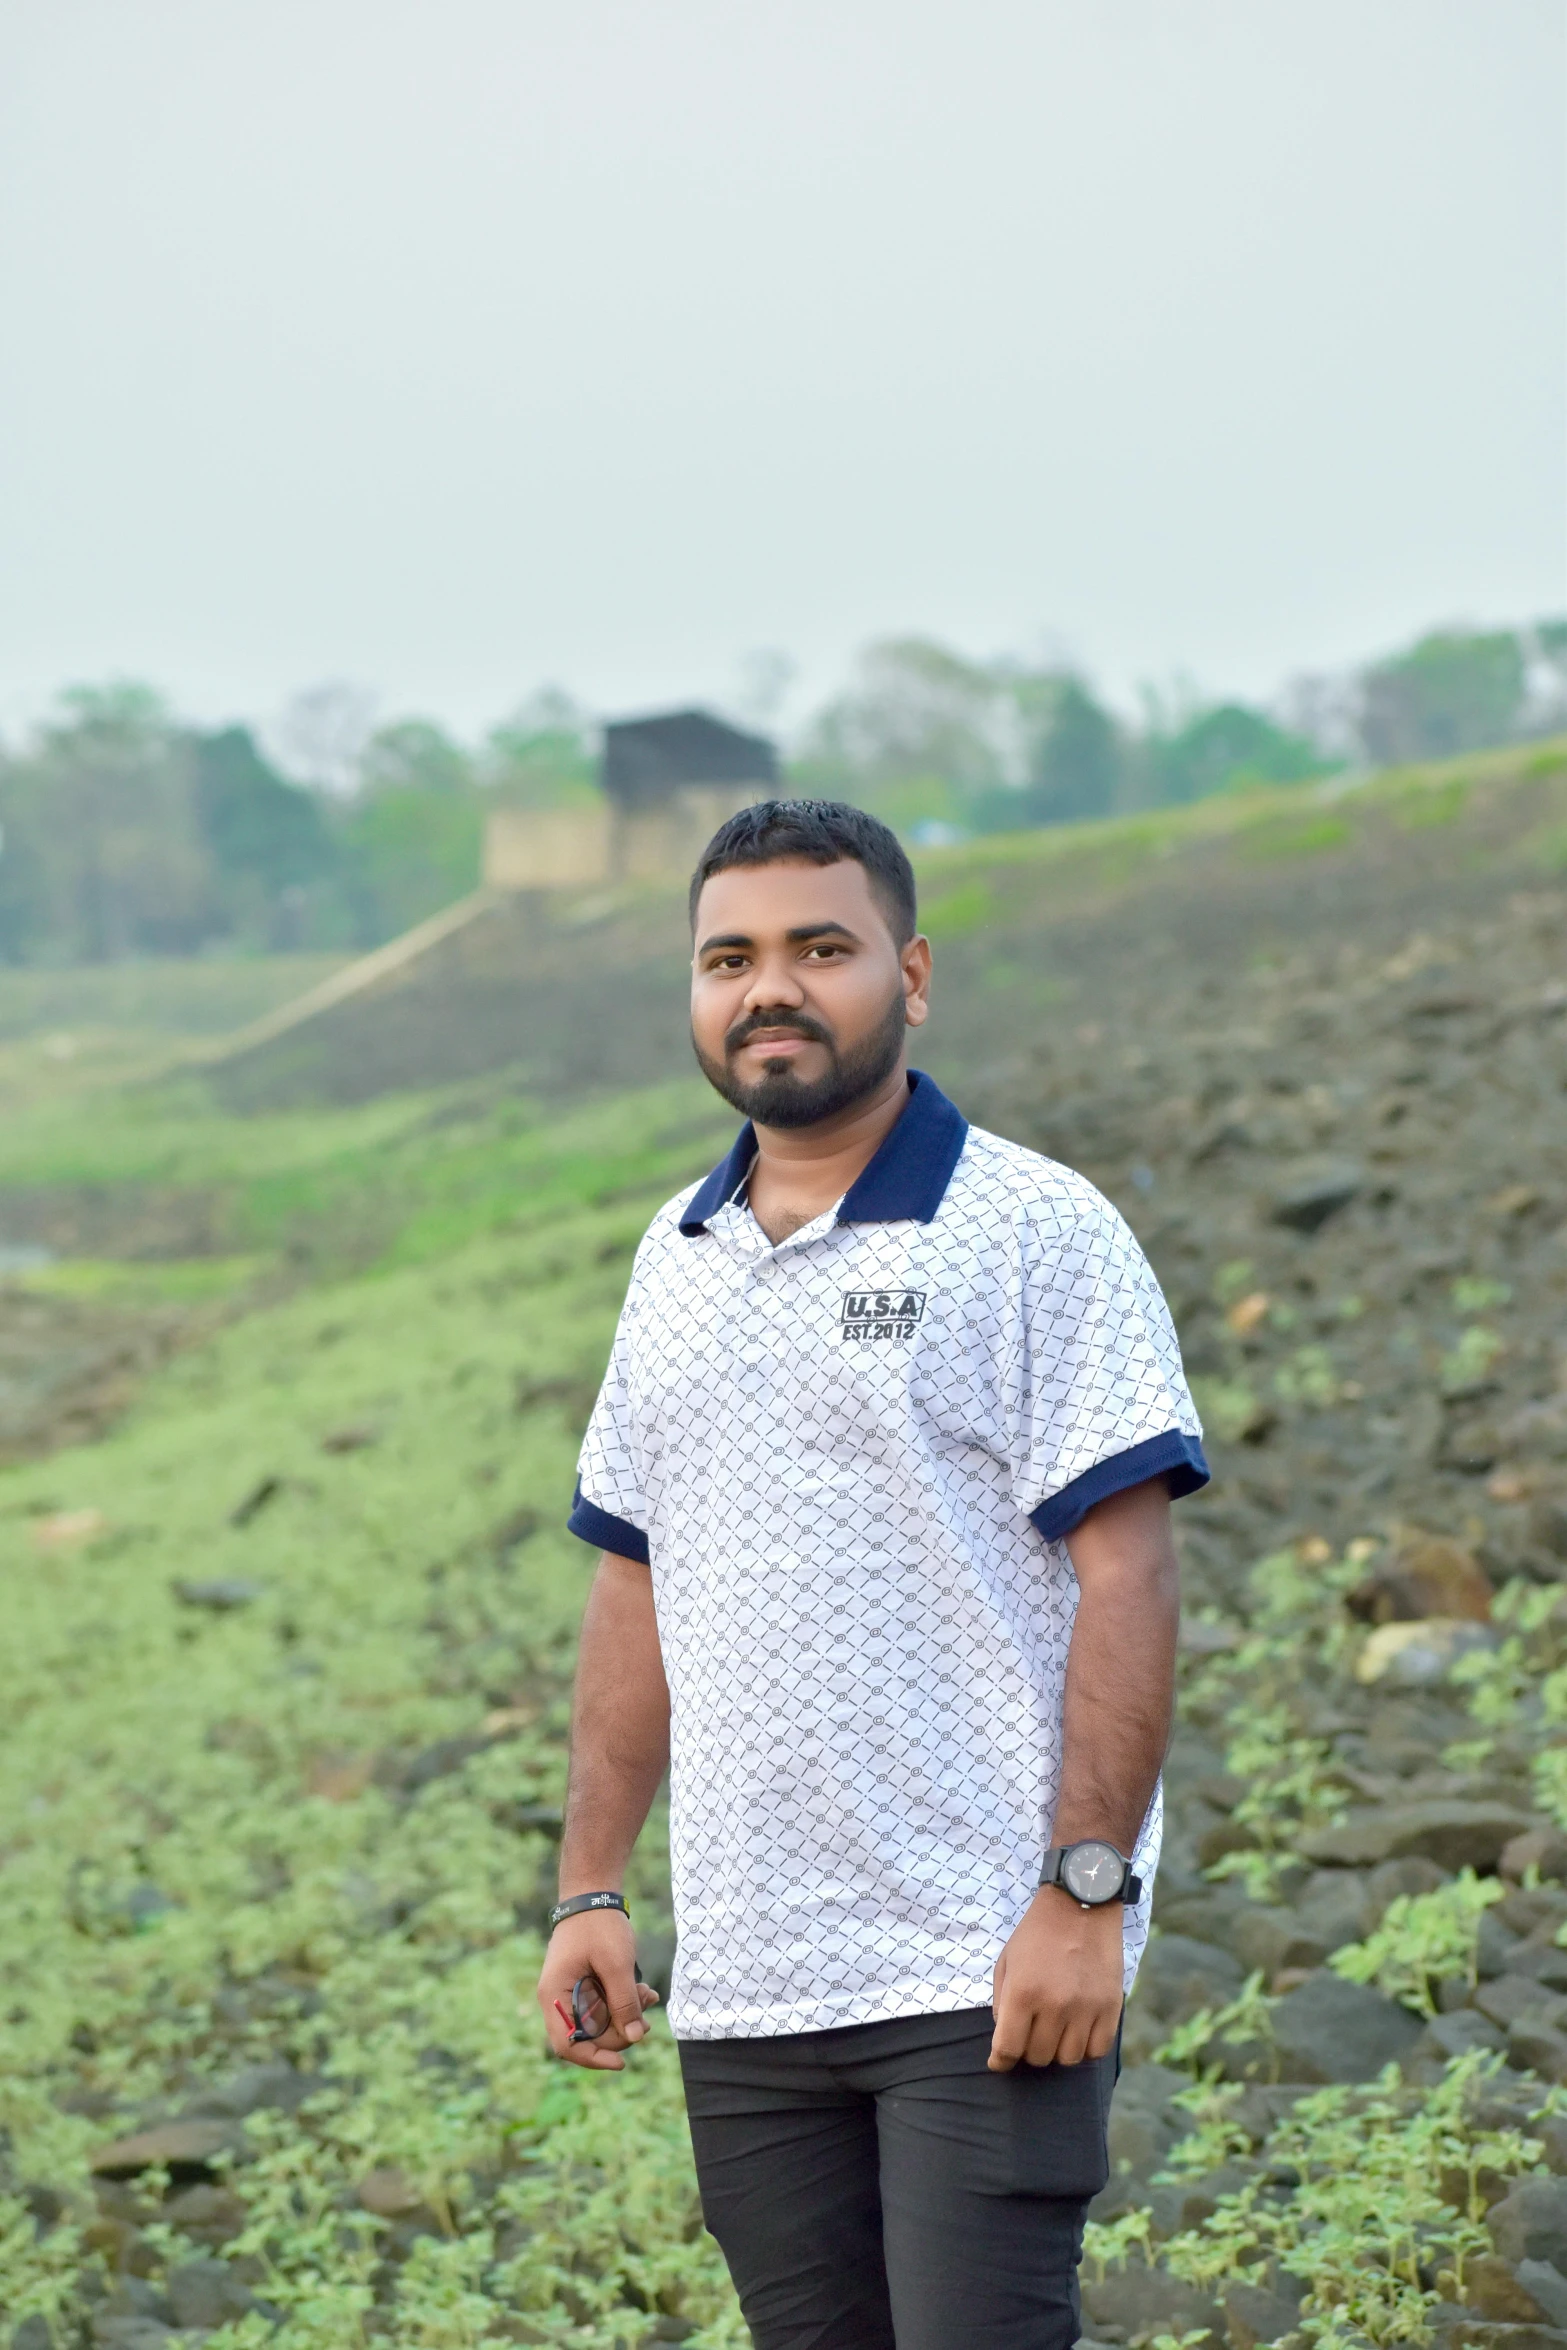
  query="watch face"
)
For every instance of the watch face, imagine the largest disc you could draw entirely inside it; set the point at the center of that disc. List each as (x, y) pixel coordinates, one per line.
(1093, 1872)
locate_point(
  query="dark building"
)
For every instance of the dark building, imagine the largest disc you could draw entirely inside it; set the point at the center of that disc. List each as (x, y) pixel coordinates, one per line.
(648, 761)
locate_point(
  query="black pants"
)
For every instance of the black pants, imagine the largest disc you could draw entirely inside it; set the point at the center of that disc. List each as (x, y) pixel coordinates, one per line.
(875, 2188)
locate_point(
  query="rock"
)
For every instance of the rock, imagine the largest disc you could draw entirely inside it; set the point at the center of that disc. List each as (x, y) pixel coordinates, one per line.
(1510, 1999)
(1497, 1951)
(1221, 1838)
(1447, 2036)
(1330, 2030)
(1542, 1849)
(1418, 1655)
(181, 2145)
(1545, 1962)
(1306, 1205)
(353, 1439)
(32, 2334)
(1530, 2222)
(210, 2214)
(207, 2293)
(265, 1490)
(260, 2088)
(1493, 2288)
(1551, 2131)
(1539, 1909)
(222, 1593)
(1396, 1880)
(1421, 1576)
(1178, 1976)
(1332, 1905)
(1272, 1939)
(63, 1528)
(1142, 2126)
(1255, 2315)
(390, 2194)
(1146, 2301)
(1465, 2329)
(1537, 2047)
(1546, 2287)
(1454, 1834)
(1540, 1429)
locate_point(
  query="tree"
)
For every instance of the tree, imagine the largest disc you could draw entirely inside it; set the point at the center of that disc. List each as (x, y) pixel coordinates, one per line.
(1075, 761)
(267, 839)
(1226, 746)
(414, 754)
(1456, 690)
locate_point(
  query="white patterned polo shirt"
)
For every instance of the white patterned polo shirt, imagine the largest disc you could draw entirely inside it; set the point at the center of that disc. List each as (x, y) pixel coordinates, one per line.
(851, 1461)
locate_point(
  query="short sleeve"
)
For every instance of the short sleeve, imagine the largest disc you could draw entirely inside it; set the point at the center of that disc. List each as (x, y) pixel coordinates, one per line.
(609, 1509)
(1100, 1402)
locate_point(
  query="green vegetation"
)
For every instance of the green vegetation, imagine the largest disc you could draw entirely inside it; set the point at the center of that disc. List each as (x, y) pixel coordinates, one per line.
(126, 833)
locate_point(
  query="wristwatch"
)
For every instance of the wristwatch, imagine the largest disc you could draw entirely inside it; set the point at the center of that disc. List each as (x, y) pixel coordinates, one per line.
(1093, 1872)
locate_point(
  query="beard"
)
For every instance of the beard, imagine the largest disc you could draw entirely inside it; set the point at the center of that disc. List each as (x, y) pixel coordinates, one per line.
(779, 1096)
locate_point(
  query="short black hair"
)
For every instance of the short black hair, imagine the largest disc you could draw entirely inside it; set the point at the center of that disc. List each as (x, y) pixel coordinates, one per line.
(819, 832)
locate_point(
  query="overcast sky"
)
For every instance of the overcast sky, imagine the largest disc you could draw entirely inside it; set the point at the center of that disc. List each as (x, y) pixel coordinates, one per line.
(448, 346)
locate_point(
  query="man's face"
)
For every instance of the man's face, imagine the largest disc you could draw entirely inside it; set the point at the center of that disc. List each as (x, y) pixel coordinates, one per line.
(800, 995)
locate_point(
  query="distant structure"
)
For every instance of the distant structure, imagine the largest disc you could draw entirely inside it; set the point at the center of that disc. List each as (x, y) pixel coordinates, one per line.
(668, 782)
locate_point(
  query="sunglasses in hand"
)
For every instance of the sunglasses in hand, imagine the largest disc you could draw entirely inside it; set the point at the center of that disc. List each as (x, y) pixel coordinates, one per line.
(590, 2017)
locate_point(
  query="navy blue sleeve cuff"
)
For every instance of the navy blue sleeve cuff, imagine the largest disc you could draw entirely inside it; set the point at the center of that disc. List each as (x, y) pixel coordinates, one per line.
(591, 1524)
(1177, 1457)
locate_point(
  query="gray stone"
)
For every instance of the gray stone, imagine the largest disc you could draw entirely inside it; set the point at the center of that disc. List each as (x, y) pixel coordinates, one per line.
(1396, 1880)
(1256, 2315)
(275, 2087)
(1330, 2030)
(1511, 1998)
(1272, 1939)
(1536, 2047)
(1145, 2300)
(32, 2334)
(1496, 1950)
(206, 2293)
(1143, 2127)
(1179, 1975)
(222, 1593)
(1547, 2287)
(1332, 1905)
(1307, 1204)
(1447, 2036)
(1456, 1835)
(1544, 1961)
(1530, 2222)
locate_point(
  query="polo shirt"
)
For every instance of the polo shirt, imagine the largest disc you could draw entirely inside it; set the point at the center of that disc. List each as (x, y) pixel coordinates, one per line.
(851, 1461)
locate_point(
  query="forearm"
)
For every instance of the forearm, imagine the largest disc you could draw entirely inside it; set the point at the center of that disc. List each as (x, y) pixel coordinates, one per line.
(1120, 1672)
(619, 1729)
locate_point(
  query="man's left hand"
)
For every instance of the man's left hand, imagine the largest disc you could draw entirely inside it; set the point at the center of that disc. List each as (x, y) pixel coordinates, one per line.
(1058, 1984)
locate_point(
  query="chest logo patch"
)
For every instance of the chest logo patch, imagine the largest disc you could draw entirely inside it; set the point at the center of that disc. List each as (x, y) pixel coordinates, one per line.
(882, 1313)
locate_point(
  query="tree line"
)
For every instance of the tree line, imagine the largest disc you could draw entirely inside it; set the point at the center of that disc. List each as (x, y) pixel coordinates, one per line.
(127, 832)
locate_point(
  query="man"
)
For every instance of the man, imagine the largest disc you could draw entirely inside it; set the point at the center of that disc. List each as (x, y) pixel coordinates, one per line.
(881, 1473)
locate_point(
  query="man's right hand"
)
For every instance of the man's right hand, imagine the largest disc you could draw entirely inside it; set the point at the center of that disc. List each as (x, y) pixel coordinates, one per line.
(594, 1942)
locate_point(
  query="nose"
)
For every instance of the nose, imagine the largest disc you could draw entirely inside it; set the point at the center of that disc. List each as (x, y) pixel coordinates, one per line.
(774, 986)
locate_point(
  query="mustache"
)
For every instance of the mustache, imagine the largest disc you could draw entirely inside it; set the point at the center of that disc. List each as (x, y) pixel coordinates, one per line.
(777, 1024)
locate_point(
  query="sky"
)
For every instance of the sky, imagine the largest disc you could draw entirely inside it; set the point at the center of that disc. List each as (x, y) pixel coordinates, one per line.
(452, 349)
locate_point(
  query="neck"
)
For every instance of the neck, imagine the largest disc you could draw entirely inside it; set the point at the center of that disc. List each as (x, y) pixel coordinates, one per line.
(800, 1170)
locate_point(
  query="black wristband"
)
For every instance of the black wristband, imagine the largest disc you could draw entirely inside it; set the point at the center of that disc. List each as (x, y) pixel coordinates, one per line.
(581, 1901)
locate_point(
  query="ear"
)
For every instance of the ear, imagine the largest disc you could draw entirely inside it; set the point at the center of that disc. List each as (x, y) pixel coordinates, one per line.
(914, 963)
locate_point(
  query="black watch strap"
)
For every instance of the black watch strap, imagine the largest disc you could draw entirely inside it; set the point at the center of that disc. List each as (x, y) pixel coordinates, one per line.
(1131, 1890)
(582, 1901)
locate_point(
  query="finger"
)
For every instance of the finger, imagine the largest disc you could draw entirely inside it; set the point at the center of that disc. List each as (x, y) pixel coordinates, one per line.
(1072, 2038)
(1102, 2038)
(1044, 2036)
(621, 1996)
(647, 1995)
(1009, 2039)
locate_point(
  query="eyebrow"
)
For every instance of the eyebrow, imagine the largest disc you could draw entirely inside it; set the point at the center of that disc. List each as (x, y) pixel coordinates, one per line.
(802, 936)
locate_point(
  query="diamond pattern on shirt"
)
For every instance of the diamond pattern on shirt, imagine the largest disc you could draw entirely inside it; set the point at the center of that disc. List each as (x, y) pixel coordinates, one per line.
(864, 1635)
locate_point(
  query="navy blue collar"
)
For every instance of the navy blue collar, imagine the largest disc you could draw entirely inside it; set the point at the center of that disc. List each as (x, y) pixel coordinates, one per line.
(907, 1177)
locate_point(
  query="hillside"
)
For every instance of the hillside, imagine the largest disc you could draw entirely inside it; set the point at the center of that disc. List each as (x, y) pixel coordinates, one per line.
(289, 1640)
